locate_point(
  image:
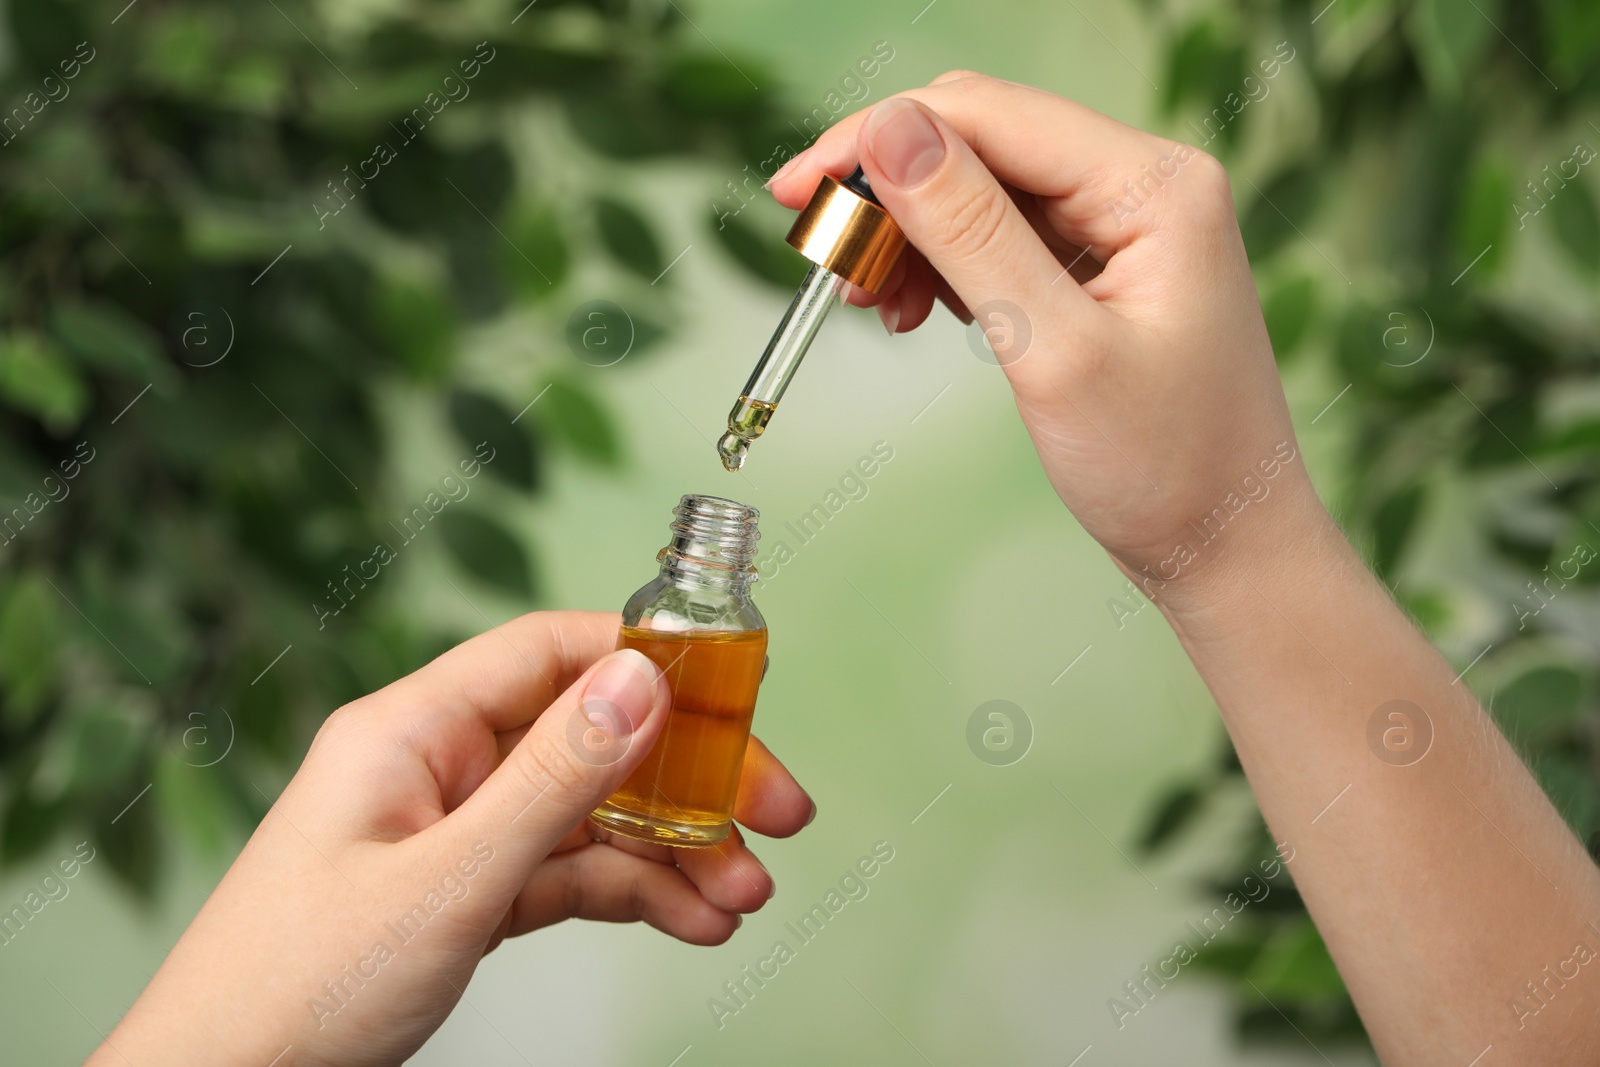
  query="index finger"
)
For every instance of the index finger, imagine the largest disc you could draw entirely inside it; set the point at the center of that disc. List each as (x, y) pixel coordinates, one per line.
(1084, 160)
(504, 677)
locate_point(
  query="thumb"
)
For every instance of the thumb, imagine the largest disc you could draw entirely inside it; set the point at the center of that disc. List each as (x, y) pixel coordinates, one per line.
(576, 754)
(959, 216)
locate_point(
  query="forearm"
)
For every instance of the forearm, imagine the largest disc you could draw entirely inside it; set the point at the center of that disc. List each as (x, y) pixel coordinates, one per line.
(1441, 884)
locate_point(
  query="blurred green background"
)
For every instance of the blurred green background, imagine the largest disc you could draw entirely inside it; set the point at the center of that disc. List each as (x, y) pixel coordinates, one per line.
(268, 371)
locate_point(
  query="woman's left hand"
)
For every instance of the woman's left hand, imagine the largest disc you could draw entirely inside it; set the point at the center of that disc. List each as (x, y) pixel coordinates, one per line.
(430, 821)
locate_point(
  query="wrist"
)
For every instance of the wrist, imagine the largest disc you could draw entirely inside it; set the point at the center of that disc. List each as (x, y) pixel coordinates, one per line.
(1275, 542)
(183, 1020)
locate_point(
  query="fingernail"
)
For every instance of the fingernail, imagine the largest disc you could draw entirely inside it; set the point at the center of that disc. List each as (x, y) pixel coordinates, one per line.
(889, 314)
(773, 882)
(813, 815)
(906, 145)
(626, 680)
(785, 169)
(738, 921)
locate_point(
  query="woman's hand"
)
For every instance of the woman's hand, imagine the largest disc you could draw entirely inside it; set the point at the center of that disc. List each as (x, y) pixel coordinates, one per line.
(1440, 877)
(1107, 268)
(428, 822)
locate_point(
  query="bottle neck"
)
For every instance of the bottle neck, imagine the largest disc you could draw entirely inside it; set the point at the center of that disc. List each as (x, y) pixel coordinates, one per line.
(713, 545)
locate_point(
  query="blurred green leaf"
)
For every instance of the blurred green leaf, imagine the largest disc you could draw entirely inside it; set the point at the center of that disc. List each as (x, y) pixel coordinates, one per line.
(487, 551)
(36, 377)
(1191, 66)
(191, 799)
(1207, 69)
(1582, 436)
(1577, 224)
(773, 261)
(151, 646)
(1430, 609)
(1529, 552)
(628, 237)
(1573, 36)
(105, 337)
(29, 824)
(181, 50)
(480, 418)
(711, 85)
(131, 845)
(1449, 37)
(242, 233)
(1175, 810)
(1501, 431)
(419, 324)
(538, 257)
(1295, 963)
(1539, 704)
(1392, 526)
(29, 637)
(569, 73)
(1290, 307)
(253, 84)
(1232, 955)
(106, 744)
(1281, 211)
(45, 32)
(622, 125)
(577, 419)
(1573, 789)
(1482, 220)
(647, 333)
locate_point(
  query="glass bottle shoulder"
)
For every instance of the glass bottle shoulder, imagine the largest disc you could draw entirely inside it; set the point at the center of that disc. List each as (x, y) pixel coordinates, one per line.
(668, 604)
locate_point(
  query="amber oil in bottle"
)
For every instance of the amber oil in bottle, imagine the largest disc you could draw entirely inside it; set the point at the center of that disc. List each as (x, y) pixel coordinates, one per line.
(697, 623)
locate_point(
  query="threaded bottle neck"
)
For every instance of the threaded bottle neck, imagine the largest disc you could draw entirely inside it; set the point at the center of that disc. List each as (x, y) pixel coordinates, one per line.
(713, 541)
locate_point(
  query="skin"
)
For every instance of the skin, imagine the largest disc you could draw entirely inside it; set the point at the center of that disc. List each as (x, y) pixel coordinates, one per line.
(465, 765)
(1440, 884)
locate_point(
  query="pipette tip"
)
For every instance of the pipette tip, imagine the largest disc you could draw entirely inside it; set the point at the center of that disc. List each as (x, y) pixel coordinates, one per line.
(732, 449)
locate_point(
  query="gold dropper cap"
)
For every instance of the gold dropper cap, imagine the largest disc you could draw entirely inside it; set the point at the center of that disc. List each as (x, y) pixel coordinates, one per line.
(844, 232)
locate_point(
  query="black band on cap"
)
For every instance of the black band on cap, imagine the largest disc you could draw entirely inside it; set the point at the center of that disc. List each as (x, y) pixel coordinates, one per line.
(857, 183)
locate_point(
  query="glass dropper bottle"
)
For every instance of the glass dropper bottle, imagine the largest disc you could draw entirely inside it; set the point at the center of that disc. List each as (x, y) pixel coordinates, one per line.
(696, 621)
(850, 240)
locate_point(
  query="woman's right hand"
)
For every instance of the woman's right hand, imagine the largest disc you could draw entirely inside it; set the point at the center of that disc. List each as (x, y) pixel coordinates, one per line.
(1109, 264)
(1438, 884)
